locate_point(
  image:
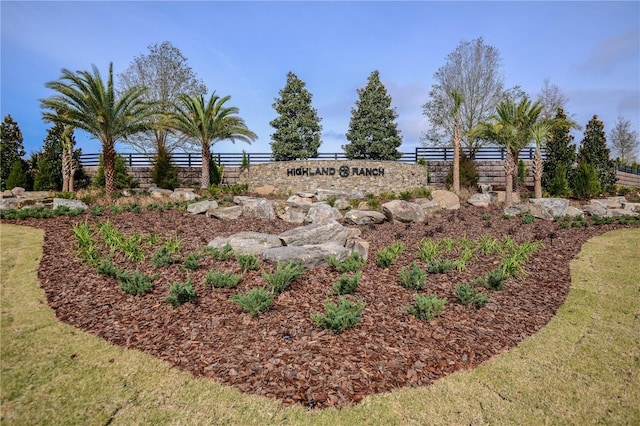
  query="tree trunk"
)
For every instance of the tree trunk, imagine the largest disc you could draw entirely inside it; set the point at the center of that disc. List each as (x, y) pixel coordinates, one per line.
(516, 177)
(109, 161)
(508, 171)
(537, 175)
(456, 159)
(67, 171)
(206, 157)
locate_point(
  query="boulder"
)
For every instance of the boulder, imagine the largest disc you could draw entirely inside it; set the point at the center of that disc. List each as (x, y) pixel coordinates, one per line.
(573, 211)
(480, 200)
(447, 199)
(403, 212)
(357, 244)
(248, 242)
(6, 194)
(71, 204)
(225, 213)
(500, 197)
(609, 202)
(258, 208)
(484, 188)
(321, 212)
(288, 213)
(318, 233)
(363, 217)
(556, 206)
(312, 256)
(159, 192)
(429, 207)
(342, 204)
(302, 203)
(265, 190)
(620, 213)
(634, 207)
(323, 194)
(18, 191)
(132, 192)
(202, 206)
(184, 195)
(540, 211)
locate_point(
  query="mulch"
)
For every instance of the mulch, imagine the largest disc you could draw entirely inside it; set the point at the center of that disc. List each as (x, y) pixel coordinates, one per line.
(282, 354)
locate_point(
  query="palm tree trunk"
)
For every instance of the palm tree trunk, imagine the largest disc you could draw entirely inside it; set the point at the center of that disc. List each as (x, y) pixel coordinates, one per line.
(456, 159)
(206, 157)
(516, 177)
(109, 160)
(67, 171)
(537, 175)
(508, 171)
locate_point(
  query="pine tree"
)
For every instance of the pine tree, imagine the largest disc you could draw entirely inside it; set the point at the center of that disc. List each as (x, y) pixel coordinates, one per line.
(373, 133)
(560, 154)
(163, 173)
(11, 148)
(297, 127)
(593, 150)
(48, 173)
(17, 177)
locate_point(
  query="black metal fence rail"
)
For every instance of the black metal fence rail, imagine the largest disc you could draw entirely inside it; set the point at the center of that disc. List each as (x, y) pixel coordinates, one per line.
(186, 159)
(628, 169)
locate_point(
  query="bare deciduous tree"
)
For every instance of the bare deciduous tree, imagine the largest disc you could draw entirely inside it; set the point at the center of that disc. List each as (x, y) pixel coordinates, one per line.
(624, 141)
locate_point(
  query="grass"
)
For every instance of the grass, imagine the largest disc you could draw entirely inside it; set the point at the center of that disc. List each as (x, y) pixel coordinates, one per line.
(583, 367)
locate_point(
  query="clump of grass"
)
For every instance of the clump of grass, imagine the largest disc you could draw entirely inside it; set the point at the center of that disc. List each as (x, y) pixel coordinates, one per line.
(494, 281)
(440, 266)
(426, 307)
(372, 201)
(413, 277)
(347, 283)
(220, 279)
(87, 244)
(388, 255)
(181, 292)
(162, 257)
(339, 317)
(353, 263)
(97, 210)
(527, 218)
(135, 283)
(283, 276)
(248, 262)
(192, 261)
(486, 216)
(254, 302)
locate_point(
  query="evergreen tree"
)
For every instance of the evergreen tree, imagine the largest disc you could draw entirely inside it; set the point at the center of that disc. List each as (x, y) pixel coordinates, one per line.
(373, 133)
(17, 176)
(593, 151)
(122, 178)
(48, 167)
(163, 173)
(560, 154)
(297, 127)
(11, 148)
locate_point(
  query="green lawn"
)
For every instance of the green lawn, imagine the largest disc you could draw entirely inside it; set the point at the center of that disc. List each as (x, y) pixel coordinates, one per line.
(583, 367)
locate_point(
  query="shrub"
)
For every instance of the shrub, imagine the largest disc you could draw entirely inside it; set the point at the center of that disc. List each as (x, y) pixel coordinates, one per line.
(163, 173)
(486, 216)
(254, 302)
(506, 216)
(372, 201)
(162, 257)
(181, 293)
(123, 178)
(284, 275)
(559, 185)
(413, 277)
(215, 172)
(468, 172)
(422, 192)
(585, 183)
(220, 279)
(468, 295)
(192, 262)
(331, 200)
(17, 176)
(353, 263)
(527, 218)
(495, 279)
(223, 253)
(388, 255)
(406, 195)
(107, 268)
(523, 172)
(248, 262)
(339, 317)
(135, 283)
(97, 210)
(347, 284)
(426, 307)
(440, 266)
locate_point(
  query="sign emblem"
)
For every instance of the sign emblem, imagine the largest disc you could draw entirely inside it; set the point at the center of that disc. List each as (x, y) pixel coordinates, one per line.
(344, 171)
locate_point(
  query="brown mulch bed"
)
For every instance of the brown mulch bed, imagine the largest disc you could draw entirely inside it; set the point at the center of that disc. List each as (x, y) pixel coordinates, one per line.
(282, 354)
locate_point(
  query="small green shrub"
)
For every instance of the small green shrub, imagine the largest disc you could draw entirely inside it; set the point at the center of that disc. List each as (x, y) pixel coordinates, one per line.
(429, 249)
(372, 201)
(220, 279)
(468, 295)
(97, 210)
(422, 192)
(413, 277)
(223, 253)
(506, 216)
(162, 257)
(495, 279)
(426, 307)
(388, 255)
(486, 216)
(347, 284)
(254, 302)
(284, 275)
(387, 196)
(135, 283)
(248, 262)
(440, 266)
(192, 262)
(339, 317)
(353, 263)
(331, 200)
(115, 209)
(527, 218)
(406, 195)
(107, 268)
(181, 293)
(585, 182)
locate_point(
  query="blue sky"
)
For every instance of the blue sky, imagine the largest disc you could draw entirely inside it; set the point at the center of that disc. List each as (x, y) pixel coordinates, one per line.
(590, 50)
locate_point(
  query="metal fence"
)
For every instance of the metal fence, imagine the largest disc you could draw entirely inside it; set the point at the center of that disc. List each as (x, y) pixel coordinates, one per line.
(628, 169)
(185, 159)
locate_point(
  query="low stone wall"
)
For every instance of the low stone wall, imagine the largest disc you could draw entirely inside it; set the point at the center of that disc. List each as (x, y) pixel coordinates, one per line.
(489, 172)
(341, 175)
(187, 176)
(628, 179)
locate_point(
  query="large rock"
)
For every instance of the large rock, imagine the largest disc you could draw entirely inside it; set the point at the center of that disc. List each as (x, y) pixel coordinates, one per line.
(288, 213)
(202, 206)
(323, 194)
(573, 212)
(184, 195)
(501, 196)
(480, 200)
(248, 242)
(634, 207)
(556, 206)
(363, 217)
(342, 204)
(429, 207)
(258, 208)
(18, 191)
(71, 204)
(312, 256)
(318, 233)
(265, 190)
(160, 193)
(447, 199)
(321, 212)
(302, 203)
(225, 213)
(540, 211)
(357, 244)
(403, 212)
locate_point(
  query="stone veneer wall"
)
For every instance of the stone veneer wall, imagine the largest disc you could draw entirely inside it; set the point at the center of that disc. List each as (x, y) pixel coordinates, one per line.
(489, 172)
(340, 175)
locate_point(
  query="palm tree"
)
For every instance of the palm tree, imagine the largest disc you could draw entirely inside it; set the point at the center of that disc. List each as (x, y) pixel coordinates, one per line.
(456, 97)
(208, 123)
(68, 164)
(84, 102)
(512, 128)
(540, 133)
